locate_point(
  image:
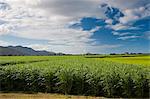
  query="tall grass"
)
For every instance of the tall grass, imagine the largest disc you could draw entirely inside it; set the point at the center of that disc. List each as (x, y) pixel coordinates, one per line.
(78, 76)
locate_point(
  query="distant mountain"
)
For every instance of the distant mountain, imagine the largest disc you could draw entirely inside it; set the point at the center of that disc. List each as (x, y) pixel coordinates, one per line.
(22, 51)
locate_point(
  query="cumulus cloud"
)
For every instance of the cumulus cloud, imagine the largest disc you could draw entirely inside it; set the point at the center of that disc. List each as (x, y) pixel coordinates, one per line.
(135, 14)
(124, 4)
(55, 34)
(132, 10)
(63, 10)
(50, 19)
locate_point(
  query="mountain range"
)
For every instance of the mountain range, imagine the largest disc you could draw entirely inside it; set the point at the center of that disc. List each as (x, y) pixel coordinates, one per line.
(24, 51)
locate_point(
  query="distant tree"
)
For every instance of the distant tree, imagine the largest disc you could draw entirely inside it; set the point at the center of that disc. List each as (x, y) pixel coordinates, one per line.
(88, 54)
(133, 53)
(126, 53)
(112, 53)
(60, 54)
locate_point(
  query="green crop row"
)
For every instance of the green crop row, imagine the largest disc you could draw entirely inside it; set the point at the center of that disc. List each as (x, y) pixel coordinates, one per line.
(12, 60)
(77, 76)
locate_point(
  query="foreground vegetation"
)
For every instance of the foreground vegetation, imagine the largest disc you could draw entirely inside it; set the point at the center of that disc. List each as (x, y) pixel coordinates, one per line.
(74, 75)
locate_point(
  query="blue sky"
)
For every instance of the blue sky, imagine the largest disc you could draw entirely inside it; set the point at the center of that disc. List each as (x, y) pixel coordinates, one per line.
(76, 26)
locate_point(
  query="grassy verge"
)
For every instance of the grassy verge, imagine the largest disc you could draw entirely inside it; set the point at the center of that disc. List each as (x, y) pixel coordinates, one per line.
(43, 96)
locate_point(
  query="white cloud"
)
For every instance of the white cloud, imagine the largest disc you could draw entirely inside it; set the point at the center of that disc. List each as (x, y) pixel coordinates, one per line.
(124, 4)
(128, 37)
(119, 27)
(62, 10)
(109, 21)
(125, 35)
(66, 40)
(57, 34)
(76, 49)
(4, 43)
(49, 20)
(123, 27)
(38, 47)
(131, 15)
(133, 10)
(4, 29)
(135, 14)
(121, 34)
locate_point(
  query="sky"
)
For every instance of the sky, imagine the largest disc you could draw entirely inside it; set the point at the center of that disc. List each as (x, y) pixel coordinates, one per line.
(76, 26)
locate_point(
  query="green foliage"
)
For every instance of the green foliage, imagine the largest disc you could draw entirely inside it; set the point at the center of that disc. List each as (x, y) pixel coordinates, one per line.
(76, 75)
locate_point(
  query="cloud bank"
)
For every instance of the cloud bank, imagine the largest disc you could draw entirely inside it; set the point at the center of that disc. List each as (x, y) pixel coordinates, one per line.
(50, 20)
